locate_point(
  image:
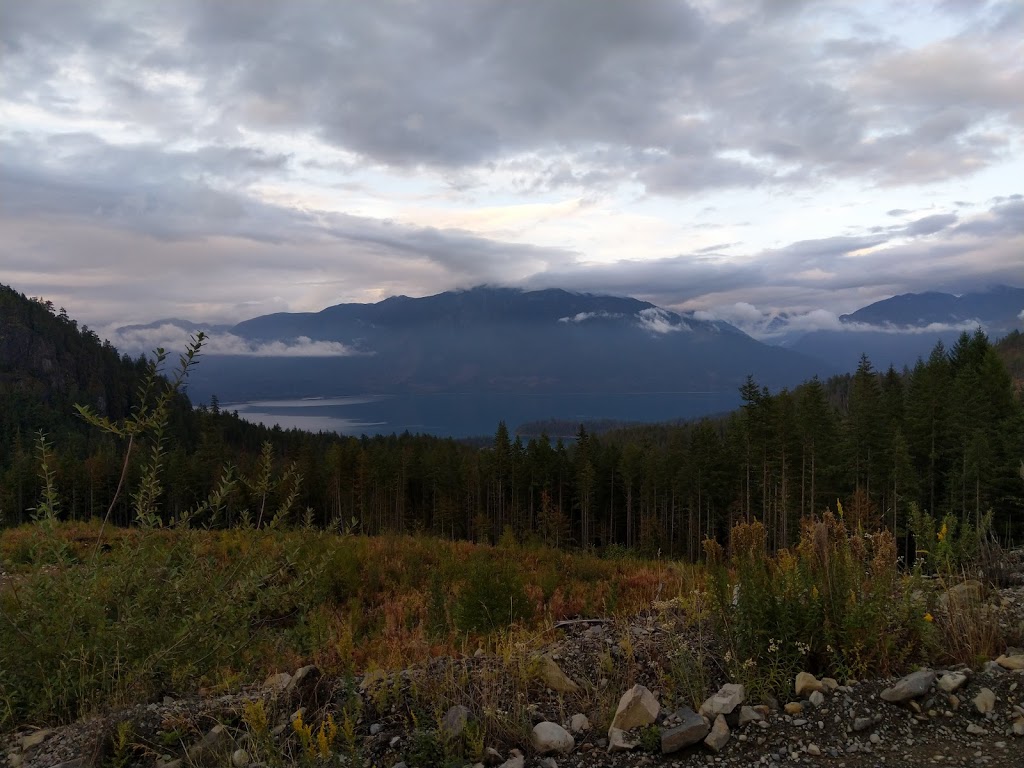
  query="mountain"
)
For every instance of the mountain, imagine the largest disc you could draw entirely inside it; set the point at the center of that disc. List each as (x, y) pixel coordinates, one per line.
(899, 330)
(498, 340)
(998, 309)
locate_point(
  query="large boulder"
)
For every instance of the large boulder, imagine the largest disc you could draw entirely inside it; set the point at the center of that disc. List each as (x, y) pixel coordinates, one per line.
(729, 697)
(691, 729)
(910, 687)
(637, 708)
(551, 737)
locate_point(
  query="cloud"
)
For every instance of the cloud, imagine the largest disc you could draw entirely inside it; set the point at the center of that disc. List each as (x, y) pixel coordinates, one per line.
(170, 336)
(659, 321)
(581, 317)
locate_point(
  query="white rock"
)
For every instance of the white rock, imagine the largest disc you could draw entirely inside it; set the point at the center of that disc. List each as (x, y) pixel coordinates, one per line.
(806, 684)
(729, 697)
(579, 723)
(551, 737)
(240, 758)
(619, 741)
(985, 701)
(637, 708)
(817, 698)
(719, 735)
(951, 681)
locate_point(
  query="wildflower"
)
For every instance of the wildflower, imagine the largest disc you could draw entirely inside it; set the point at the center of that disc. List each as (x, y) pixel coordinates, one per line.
(929, 618)
(944, 532)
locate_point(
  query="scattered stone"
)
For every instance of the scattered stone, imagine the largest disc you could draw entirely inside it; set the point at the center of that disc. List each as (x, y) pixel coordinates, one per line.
(454, 721)
(794, 708)
(729, 697)
(34, 739)
(719, 735)
(553, 677)
(862, 724)
(951, 681)
(515, 760)
(985, 701)
(547, 762)
(691, 729)
(240, 758)
(813, 749)
(910, 687)
(620, 741)
(551, 737)
(208, 747)
(376, 728)
(637, 708)
(304, 679)
(277, 682)
(579, 724)
(806, 684)
(1012, 663)
(749, 715)
(817, 699)
(1018, 726)
(961, 595)
(829, 684)
(976, 730)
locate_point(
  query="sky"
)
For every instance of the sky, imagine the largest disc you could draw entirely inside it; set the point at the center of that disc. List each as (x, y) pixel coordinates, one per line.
(221, 159)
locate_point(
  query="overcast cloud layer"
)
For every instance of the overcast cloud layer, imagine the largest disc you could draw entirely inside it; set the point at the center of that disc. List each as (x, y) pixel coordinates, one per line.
(219, 159)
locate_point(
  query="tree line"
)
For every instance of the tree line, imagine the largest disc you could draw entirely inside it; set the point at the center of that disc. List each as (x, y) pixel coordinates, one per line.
(946, 437)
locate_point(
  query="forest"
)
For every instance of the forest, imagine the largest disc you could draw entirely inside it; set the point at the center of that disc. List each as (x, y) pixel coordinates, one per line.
(945, 437)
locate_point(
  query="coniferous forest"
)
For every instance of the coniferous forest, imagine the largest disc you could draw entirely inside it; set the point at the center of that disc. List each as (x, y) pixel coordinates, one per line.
(945, 437)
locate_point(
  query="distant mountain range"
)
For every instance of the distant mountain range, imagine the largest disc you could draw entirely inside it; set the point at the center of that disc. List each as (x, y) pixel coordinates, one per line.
(494, 340)
(898, 330)
(490, 340)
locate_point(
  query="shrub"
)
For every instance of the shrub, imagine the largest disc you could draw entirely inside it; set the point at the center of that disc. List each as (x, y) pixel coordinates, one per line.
(835, 604)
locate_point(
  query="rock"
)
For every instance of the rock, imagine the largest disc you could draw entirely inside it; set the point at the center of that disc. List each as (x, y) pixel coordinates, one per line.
(551, 737)
(691, 729)
(806, 684)
(817, 699)
(793, 708)
(862, 724)
(34, 739)
(240, 758)
(813, 749)
(961, 595)
(547, 762)
(14, 760)
(454, 721)
(976, 730)
(78, 762)
(985, 701)
(303, 680)
(829, 684)
(719, 735)
(209, 748)
(749, 715)
(729, 697)
(1018, 726)
(1011, 662)
(579, 723)
(910, 687)
(554, 678)
(277, 682)
(637, 707)
(619, 741)
(951, 681)
(515, 760)
(376, 728)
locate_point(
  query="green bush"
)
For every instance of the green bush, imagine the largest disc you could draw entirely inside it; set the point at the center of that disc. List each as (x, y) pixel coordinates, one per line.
(492, 596)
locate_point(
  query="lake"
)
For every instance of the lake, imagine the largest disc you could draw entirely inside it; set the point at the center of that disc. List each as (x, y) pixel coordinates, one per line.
(464, 414)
